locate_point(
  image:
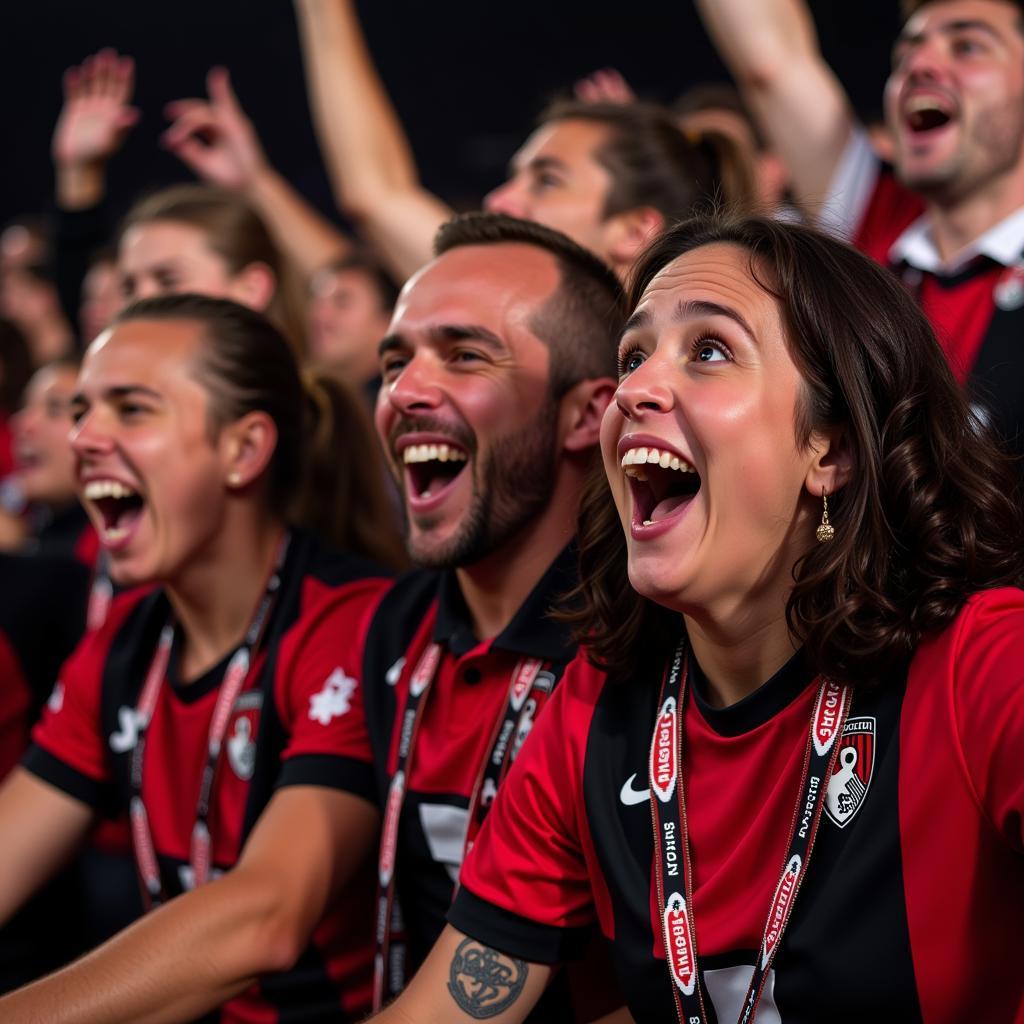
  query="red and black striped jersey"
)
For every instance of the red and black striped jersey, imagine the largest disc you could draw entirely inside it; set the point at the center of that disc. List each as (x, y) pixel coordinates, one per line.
(297, 721)
(912, 902)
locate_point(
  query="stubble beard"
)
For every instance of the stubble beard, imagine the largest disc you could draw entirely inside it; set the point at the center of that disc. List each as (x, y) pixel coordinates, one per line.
(513, 485)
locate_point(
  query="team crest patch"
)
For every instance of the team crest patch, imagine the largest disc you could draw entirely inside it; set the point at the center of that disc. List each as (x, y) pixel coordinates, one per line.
(854, 767)
(334, 700)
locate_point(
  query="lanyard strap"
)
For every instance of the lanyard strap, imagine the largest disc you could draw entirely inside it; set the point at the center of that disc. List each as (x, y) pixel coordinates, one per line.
(528, 688)
(229, 690)
(673, 862)
(101, 593)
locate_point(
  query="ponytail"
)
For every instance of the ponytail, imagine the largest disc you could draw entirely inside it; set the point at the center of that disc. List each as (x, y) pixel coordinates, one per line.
(343, 494)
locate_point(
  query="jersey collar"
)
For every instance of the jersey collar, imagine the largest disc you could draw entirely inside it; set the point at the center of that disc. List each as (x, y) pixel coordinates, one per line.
(532, 632)
(1001, 243)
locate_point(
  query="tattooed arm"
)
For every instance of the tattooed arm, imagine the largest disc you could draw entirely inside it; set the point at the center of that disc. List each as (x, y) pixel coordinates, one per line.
(463, 980)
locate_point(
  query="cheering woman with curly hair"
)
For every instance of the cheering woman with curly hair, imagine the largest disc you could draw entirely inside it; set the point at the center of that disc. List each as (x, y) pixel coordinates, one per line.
(796, 794)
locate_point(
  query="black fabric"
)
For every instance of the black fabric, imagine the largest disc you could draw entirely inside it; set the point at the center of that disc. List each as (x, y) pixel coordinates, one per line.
(332, 772)
(77, 236)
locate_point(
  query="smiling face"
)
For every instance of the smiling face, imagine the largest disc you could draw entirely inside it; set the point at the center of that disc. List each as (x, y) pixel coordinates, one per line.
(166, 257)
(700, 445)
(150, 477)
(46, 466)
(465, 410)
(954, 101)
(557, 180)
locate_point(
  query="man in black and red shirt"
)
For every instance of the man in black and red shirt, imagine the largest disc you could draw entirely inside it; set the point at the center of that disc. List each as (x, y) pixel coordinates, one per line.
(496, 371)
(949, 216)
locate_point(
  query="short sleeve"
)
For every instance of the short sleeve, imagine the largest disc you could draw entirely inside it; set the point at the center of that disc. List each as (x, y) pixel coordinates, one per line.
(319, 692)
(68, 749)
(525, 887)
(988, 703)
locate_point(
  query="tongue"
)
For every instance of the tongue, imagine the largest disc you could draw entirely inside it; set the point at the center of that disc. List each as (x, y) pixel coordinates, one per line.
(667, 506)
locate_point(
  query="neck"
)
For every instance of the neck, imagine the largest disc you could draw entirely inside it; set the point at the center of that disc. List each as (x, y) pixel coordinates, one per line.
(737, 661)
(959, 222)
(496, 586)
(214, 599)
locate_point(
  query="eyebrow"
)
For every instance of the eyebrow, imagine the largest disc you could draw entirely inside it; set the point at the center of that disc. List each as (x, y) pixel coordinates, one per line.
(538, 163)
(686, 310)
(447, 334)
(963, 25)
(121, 391)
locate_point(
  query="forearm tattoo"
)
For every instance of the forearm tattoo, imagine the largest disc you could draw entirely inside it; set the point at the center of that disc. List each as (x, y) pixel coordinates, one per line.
(484, 982)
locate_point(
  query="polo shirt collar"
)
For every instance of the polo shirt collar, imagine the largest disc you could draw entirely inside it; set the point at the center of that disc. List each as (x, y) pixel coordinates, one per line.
(916, 246)
(532, 632)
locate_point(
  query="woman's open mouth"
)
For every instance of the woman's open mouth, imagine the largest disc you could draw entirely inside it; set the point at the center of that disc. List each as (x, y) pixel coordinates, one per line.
(115, 508)
(662, 484)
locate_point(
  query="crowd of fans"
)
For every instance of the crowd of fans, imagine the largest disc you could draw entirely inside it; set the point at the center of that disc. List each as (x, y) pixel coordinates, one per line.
(486, 616)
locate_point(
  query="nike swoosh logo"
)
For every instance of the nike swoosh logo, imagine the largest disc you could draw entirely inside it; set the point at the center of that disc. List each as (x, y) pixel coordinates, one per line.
(630, 796)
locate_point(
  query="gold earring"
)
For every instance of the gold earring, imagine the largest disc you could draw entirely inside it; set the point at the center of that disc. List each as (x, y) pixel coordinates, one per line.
(826, 531)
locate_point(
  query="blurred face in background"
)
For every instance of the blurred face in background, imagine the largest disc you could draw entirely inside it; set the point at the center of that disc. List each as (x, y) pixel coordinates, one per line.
(42, 451)
(102, 299)
(347, 319)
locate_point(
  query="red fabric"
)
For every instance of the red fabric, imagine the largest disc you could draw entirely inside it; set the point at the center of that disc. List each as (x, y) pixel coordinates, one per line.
(6, 446)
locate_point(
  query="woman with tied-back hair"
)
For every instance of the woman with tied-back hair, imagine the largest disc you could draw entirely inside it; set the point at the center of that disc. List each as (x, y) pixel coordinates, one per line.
(198, 238)
(219, 705)
(797, 795)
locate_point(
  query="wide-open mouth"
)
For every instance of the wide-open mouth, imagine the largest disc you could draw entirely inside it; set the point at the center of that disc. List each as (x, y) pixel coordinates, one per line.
(115, 506)
(926, 113)
(661, 482)
(430, 468)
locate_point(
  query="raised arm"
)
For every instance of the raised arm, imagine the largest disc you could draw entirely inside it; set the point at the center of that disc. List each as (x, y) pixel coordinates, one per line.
(367, 154)
(199, 950)
(40, 828)
(218, 142)
(771, 48)
(463, 980)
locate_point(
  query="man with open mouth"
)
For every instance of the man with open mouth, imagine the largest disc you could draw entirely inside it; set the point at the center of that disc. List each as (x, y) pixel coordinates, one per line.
(496, 370)
(949, 216)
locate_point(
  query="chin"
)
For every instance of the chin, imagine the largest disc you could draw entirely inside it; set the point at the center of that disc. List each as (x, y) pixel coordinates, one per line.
(652, 582)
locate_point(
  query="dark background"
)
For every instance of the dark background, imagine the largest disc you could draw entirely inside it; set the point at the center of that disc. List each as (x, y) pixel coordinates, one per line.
(467, 78)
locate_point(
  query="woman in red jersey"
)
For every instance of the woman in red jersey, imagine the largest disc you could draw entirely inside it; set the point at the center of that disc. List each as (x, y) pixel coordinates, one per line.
(797, 795)
(219, 704)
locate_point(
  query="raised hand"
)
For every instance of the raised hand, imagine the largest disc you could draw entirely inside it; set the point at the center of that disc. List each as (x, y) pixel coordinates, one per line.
(97, 114)
(604, 86)
(215, 138)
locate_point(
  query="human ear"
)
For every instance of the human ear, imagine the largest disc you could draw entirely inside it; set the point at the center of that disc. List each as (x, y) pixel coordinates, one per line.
(832, 463)
(582, 409)
(254, 286)
(248, 446)
(627, 233)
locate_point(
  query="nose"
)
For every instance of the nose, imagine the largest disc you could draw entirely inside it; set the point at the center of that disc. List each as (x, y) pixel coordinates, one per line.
(923, 62)
(416, 387)
(645, 391)
(89, 437)
(509, 199)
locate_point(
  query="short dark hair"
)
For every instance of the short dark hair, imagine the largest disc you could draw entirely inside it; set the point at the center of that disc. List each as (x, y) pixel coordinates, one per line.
(719, 96)
(930, 514)
(581, 321)
(653, 163)
(368, 265)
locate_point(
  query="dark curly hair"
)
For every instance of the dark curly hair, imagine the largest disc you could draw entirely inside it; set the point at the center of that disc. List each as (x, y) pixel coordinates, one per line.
(930, 514)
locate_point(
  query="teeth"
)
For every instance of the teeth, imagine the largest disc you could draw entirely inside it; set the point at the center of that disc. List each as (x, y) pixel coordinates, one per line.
(114, 533)
(432, 453)
(652, 456)
(918, 103)
(648, 522)
(95, 489)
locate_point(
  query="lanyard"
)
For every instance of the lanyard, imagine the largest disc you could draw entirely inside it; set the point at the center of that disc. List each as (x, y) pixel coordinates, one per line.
(673, 867)
(527, 690)
(100, 594)
(230, 688)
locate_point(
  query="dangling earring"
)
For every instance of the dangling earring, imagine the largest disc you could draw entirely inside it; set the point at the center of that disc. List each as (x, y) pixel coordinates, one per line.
(826, 531)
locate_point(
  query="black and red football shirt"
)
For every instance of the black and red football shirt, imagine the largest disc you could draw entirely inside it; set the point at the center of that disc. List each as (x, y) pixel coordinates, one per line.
(913, 900)
(297, 721)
